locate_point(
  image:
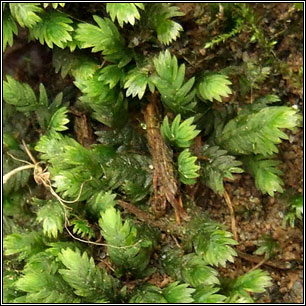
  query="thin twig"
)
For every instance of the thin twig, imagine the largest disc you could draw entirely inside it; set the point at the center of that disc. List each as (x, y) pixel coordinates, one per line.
(164, 225)
(28, 152)
(259, 260)
(176, 242)
(15, 158)
(232, 214)
(139, 213)
(258, 265)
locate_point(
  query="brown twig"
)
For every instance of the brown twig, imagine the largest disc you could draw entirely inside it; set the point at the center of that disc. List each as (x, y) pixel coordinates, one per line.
(163, 224)
(164, 178)
(259, 261)
(258, 265)
(139, 213)
(232, 214)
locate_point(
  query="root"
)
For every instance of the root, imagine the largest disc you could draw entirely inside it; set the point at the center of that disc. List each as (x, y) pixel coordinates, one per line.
(232, 214)
(7, 176)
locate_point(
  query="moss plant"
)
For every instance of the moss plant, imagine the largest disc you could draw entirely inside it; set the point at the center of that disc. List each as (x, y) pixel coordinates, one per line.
(90, 235)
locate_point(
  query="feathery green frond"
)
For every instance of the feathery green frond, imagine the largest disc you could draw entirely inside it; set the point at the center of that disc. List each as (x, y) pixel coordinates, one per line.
(174, 293)
(196, 272)
(109, 105)
(125, 139)
(134, 191)
(59, 120)
(111, 75)
(217, 165)
(215, 247)
(42, 261)
(148, 294)
(23, 97)
(10, 142)
(85, 277)
(259, 104)
(252, 76)
(159, 19)
(100, 202)
(224, 36)
(131, 167)
(19, 179)
(113, 113)
(10, 294)
(178, 293)
(26, 244)
(214, 86)
(51, 117)
(265, 172)
(94, 89)
(105, 38)
(175, 95)
(26, 13)
(267, 246)
(179, 134)
(42, 287)
(54, 5)
(207, 295)
(114, 230)
(9, 29)
(55, 248)
(73, 166)
(258, 132)
(136, 82)
(82, 228)
(135, 252)
(69, 183)
(80, 66)
(51, 215)
(13, 205)
(213, 244)
(294, 210)
(51, 147)
(237, 298)
(253, 281)
(190, 268)
(124, 12)
(187, 167)
(54, 29)
(19, 94)
(172, 261)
